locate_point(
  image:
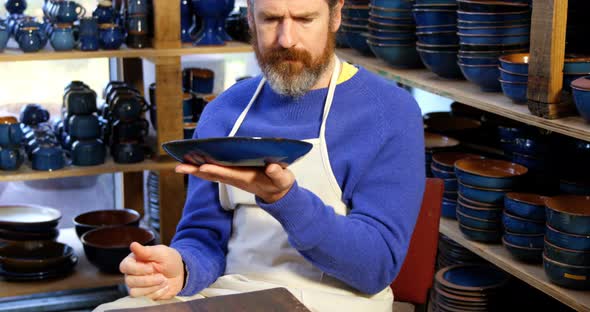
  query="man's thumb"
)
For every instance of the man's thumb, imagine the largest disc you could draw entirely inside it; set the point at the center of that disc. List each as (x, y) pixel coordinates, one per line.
(142, 253)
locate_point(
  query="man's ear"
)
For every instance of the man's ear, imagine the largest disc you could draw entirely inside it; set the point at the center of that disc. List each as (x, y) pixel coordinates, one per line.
(337, 16)
(250, 15)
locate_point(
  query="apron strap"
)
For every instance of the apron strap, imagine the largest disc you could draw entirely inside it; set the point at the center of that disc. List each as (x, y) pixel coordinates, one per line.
(245, 111)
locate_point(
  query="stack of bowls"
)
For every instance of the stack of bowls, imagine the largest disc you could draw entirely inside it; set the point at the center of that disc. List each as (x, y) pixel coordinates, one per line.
(95, 219)
(566, 256)
(451, 253)
(436, 143)
(438, 43)
(581, 90)
(575, 66)
(36, 260)
(392, 35)
(524, 219)
(443, 167)
(482, 186)
(28, 222)
(488, 30)
(514, 76)
(353, 32)
(471, 287)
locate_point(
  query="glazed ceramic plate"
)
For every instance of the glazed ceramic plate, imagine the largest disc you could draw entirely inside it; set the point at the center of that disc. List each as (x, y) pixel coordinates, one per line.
(28, 217)
(237, 151)
(65, 270)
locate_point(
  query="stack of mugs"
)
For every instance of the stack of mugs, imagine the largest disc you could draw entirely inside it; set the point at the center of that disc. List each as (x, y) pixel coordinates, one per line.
(124, 126)
(137, 23)
(197, 84)
(110, 35)
(11, 136)
(81, 130)
(59, 17)
(41, 143)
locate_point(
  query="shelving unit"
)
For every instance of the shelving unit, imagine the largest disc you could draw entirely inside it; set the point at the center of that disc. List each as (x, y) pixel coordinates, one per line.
(532, 274)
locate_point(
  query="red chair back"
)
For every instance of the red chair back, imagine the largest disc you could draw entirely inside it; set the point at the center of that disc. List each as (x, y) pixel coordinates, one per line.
(417, 273)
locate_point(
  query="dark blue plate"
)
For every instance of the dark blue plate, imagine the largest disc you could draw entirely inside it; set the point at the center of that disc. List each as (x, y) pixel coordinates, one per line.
(471, 278)
(237, 151)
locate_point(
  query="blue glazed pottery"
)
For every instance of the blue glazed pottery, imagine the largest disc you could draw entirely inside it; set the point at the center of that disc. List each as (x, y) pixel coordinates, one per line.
(30, 39)
(88, 152)
(477, 60)
(452, 195)
(127, 153)
(450, 185)
(111, 36)
(105, 13)
(4, 36)
(525, 240)
(576, 64)
(11, 158)
(449, 208)
(392, 40)
(567, 240)
(388, 4)
(526, 254)
(62, 38)
(568, 276)
(398, 34)
(210, 11)
(495, 6)
(581, 91)
(510, 77)
(493, 16)
(391, 20)
(521, 225)
(438, 173)
(355, 12)
(394, 13)
(485, 76)
(516, 91)
(569, 78)
(355, 21)
(84, 126)
(569, 213)
(68, 11)
(15, 6)
(10, 132)
(479, 212)
(33, 114)
(397, 55)
(439, 37)
(495, 30)
(494, 39)
(477, 223)
(436, 28)
(429, 17)
(471, 278)
(358, 42)
(489, 173)
(566, 256)
(530, 206)
(479, 235)
(48, 158)
(446, 160)
(474, 203)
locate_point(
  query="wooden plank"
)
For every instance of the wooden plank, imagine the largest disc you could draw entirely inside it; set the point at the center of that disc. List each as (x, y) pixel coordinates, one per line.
(47, 54)
(532, 274)
(167, 19)
(172, 196)
(27, 173)
(169, 101)
(470, 94)
(547, 50)
(85, 274)
(133, 191)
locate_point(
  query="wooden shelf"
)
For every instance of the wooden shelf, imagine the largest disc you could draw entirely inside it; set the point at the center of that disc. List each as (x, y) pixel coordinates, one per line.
(12, 54)
(468, 93)
(532, 274)
(85, 275)
(26, 173)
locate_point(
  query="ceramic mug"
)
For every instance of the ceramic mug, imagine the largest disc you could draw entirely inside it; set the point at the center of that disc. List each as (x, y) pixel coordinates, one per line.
(111, 36)
(11, 158)
(80, 102)
(130, 131)
(88, 152)
(84, 126)
(67, 11)
(48, 158)
(105, 13)
(10, 131)
(62, 38)
(33, 114)
(127, 153)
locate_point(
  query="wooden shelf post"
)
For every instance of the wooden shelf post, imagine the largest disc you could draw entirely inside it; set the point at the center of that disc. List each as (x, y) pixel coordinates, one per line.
(167, 21)
(547, 54)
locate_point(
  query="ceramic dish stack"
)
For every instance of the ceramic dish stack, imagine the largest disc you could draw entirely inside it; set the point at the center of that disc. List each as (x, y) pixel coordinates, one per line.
(524, 226)
(471, 287)
(451, 253)
(354, 30)
(435, 143)
(438, 43)
(514, 76)
(488, 30)
(153, 200)
(482, 186)
(566, 256)
(36, 260)
(443, 167)
(392, 36)
(28, 222)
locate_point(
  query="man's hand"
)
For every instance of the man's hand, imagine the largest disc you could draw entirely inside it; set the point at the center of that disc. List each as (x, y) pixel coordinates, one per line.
(156, 272)
(270, 183)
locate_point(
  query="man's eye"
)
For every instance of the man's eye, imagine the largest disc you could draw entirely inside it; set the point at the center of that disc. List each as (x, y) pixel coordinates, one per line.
(305, 20)
(272, 19)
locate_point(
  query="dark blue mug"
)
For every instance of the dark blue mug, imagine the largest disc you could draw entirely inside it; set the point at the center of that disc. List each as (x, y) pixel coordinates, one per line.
(127, 153)
(80, 101)
(88, 152)
(10, 131)
(31, 39)
(88, 26)
(11, 158)
(62, 38)
(33, 114)
(105, 13)
(15, 6)
(111, 36)
(48, 158)
(67, 11)
(89, 43)
(4, 36)
(128, 107)
(137, 7)
(188, 108)
(84, 126)
(130, 131)
(202, 80)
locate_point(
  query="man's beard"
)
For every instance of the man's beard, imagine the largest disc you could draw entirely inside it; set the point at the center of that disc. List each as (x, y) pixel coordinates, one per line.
(298, 76)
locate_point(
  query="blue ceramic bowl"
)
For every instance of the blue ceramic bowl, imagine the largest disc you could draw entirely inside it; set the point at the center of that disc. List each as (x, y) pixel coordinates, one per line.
(355, 21)
(449, 207)
(478, 204)
(446, 160)
(453, 2)
(582, 100)
(479, 235)
(477, 60)
(526, 254)
(442, 63)
(568, 78)
(495, 30)
(493, 16)
(390, 41)
(398, 34)
(358, 42)
(355, 12)
(486, 195)
(492, 6)
(516, 91)
(388, 4)
(438, 47)
(452, 195)
(573, 187)
(477, 223)
(391, 26)
(391, 21)
(509, 76)
(479, 212)
(529, 206)
(397, 55)
(477, 279)
(395, 13)
(436, 28)
(4, 36)
(442, 174)
(515, 224)
(566, 256)
(439, 37)
(450, 185)
(566, 240)
(516, 63)
(576, 64)
(494, 39)
(485, 76)
(569, 213)
(489, 173)
(468, 23)
(429, 17)
(532, 145)
(525, 240)
(569, 276)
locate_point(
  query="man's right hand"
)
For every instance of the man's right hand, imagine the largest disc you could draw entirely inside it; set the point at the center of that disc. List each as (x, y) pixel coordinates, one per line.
(156, 272)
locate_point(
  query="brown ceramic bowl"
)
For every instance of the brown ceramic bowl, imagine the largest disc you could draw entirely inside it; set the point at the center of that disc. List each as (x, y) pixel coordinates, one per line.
(34, 256)
(569, 213)
(106, 247)
(446, 160)
(489, 173)
(437, 141)
(105, 218)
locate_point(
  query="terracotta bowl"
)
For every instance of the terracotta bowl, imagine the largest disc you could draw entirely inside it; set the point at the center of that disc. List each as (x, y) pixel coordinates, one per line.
(106, 247)
(489, 173)
(104, 218)
(446, 160)
(34, 256)
(434, 141)
(569, 213)
(526, 205)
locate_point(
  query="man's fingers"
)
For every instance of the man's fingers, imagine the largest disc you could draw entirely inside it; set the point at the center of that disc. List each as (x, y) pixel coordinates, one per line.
(160, 293)
(279, 176)
(131, 266)
(134, 281)
(143, 253)
(149, 292)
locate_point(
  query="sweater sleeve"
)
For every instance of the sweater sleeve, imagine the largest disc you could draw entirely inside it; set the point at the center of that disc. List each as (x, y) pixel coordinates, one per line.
(366, 248)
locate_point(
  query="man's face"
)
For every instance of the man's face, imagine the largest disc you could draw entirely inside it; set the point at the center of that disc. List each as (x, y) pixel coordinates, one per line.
(293, 41)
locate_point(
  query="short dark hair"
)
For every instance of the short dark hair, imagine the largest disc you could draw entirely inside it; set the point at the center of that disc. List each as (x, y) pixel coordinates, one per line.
(331, 3)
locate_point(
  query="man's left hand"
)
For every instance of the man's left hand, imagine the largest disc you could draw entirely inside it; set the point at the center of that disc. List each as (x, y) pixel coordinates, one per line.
(270, 183)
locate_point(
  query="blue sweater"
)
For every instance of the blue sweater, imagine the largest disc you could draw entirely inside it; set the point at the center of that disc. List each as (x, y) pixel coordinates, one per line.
(375, 144)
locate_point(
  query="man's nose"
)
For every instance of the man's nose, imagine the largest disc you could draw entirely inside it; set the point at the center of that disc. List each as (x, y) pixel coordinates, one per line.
(287, 38)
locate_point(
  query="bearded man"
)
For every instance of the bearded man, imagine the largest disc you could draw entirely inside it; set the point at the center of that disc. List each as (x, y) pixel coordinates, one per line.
(334, 227)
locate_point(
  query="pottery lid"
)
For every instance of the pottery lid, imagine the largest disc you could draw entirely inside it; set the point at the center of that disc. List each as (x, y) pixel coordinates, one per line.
(581, 83)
